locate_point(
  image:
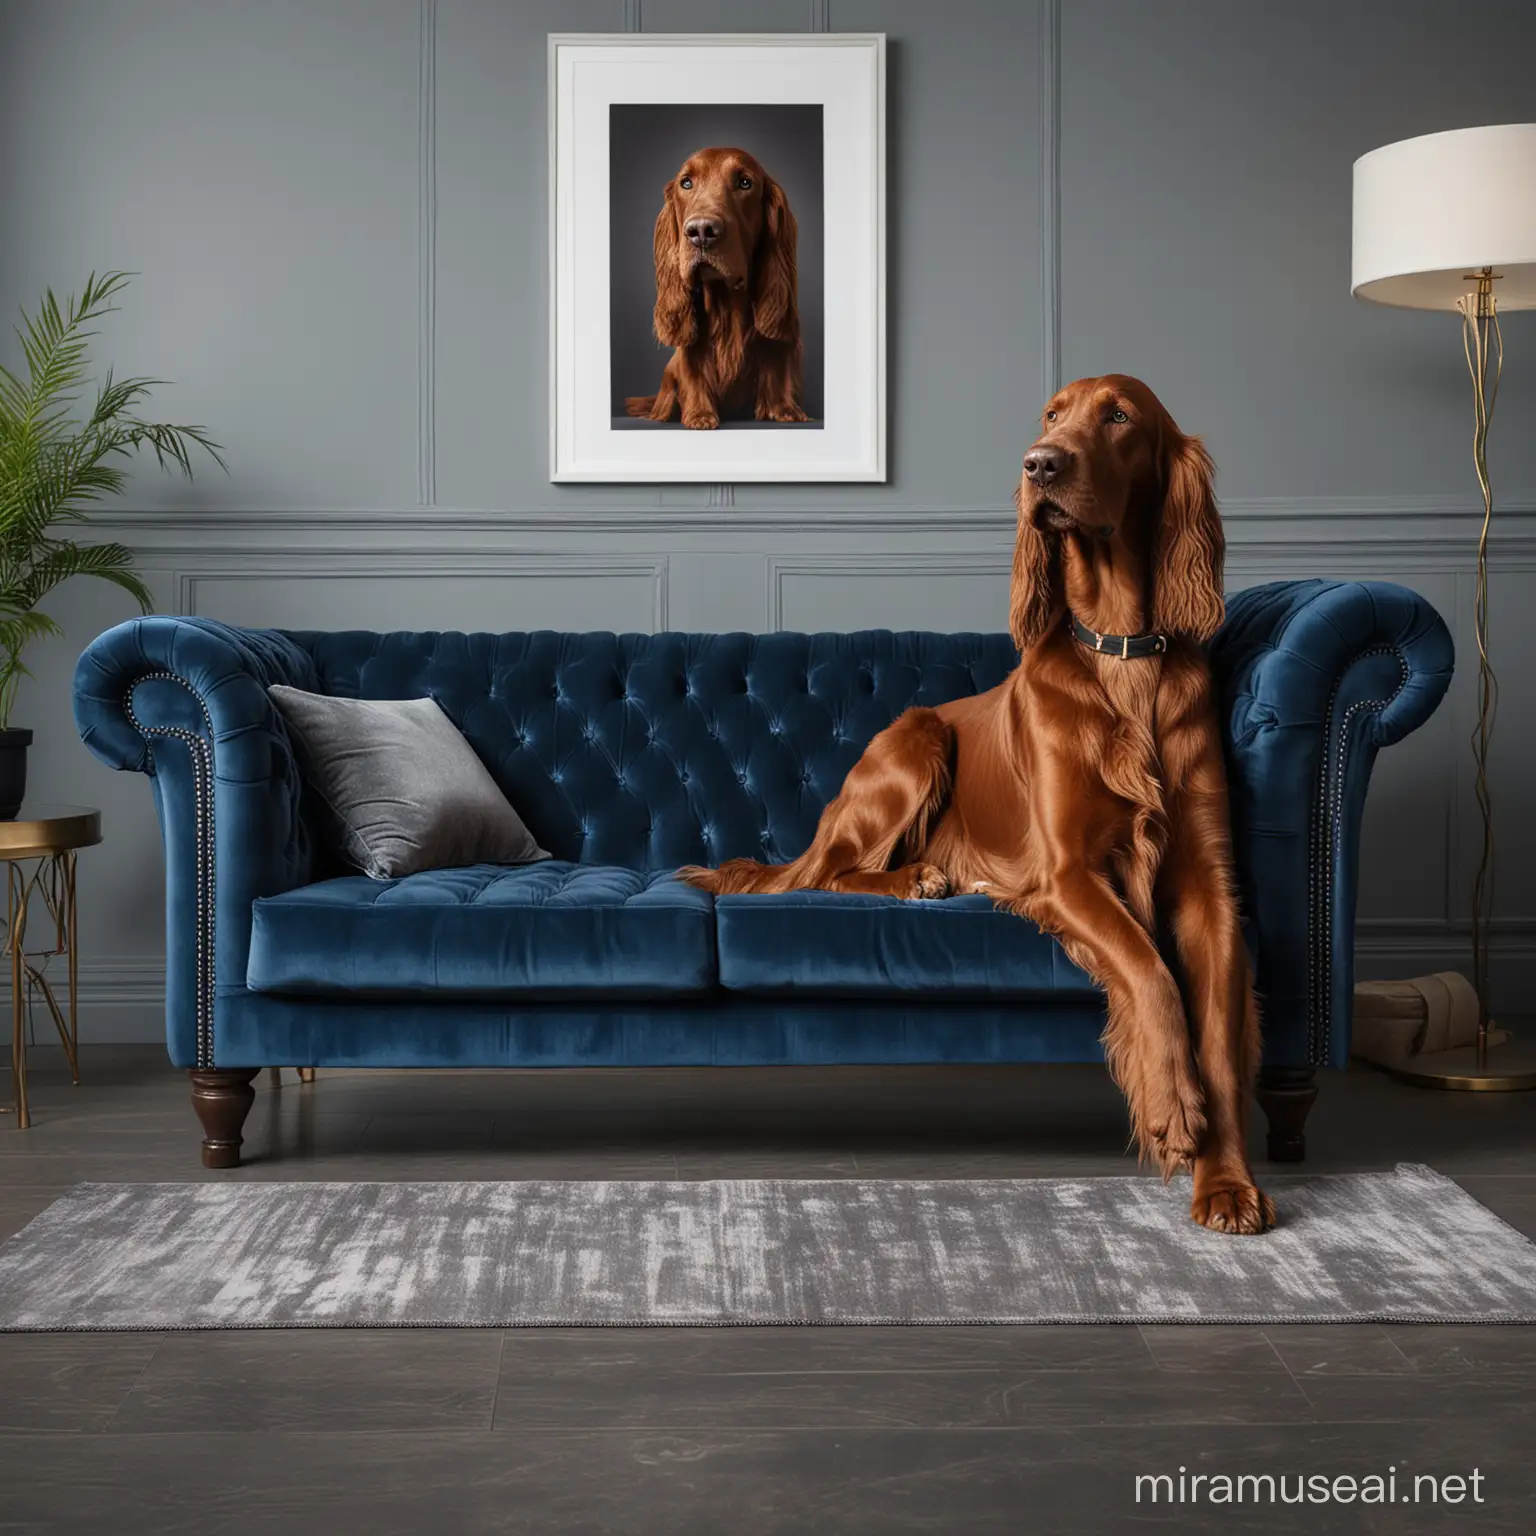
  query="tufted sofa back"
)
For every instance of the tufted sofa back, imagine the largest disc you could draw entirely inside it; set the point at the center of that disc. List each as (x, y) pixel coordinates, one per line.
(650, 751)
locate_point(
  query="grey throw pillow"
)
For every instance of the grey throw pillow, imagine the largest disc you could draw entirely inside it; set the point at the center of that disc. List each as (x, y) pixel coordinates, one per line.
(408, 790)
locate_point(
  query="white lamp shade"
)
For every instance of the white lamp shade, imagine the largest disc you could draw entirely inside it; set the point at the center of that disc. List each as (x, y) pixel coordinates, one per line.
(1430, 210)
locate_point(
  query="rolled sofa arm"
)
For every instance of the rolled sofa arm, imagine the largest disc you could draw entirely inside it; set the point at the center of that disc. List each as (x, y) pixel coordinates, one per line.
(185, 700)
(1315, 678)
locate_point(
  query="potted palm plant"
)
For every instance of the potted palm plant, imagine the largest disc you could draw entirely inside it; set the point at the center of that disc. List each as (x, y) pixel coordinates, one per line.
(55, 461)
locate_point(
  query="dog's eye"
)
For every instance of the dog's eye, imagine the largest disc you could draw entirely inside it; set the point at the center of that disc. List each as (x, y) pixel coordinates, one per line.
(686, 183)
(744, 182)
(1119, 416)
(1050, 415)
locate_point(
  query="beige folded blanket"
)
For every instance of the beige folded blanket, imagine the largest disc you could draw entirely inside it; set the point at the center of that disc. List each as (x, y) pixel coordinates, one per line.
(1401, 1021)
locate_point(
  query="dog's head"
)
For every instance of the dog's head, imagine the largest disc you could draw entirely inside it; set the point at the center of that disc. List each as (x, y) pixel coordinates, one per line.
(1111, 463)
(724, 221)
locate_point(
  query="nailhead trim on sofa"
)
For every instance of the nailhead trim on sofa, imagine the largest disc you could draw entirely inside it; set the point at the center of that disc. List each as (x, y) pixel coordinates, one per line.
(200, 749)
(1327, 829)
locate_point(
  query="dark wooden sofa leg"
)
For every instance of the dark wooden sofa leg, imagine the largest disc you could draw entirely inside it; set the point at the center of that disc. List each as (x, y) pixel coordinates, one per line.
(222, 1098)
(1286, 1094)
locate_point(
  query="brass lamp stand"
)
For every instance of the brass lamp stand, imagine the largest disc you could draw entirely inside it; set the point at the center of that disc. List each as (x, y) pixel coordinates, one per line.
(1513, 1066)
(1422, 207)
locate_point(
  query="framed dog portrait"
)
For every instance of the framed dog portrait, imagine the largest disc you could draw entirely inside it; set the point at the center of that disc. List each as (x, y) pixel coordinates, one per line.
(717, 257)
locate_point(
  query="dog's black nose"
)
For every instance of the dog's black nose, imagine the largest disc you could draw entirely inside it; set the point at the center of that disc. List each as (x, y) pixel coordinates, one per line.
(702, 232)
(1043, 465)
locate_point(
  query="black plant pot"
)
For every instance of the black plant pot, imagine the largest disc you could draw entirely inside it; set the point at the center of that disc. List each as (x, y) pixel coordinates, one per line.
(13, 771)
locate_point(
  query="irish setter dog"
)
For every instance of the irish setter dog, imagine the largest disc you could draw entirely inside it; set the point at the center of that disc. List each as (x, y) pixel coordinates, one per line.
(1087, 792)
(727, 296)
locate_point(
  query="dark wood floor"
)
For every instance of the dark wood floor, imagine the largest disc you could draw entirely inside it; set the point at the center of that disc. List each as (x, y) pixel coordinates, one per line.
(879, 1430)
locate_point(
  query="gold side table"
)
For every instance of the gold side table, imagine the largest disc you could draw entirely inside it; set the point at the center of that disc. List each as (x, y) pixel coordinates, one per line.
(38, 847)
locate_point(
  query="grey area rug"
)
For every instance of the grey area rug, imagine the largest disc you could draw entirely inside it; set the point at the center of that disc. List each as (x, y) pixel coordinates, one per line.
(1406, 1246)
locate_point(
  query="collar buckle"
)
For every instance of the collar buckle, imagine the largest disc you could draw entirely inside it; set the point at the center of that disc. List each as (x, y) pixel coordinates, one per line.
(1121, 647)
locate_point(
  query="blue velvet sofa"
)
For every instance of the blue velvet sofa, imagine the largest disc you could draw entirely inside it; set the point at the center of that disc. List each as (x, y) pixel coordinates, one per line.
(628, 755)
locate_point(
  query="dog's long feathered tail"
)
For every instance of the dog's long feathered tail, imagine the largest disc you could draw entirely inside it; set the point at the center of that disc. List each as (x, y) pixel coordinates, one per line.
(639, 405)
(738, 876)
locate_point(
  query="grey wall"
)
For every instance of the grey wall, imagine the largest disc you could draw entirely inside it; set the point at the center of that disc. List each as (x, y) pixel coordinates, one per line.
(337, 208)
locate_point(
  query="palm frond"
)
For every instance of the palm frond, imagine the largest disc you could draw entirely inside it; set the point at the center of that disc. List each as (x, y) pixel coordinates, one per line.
(53, 341)
(111, 562)
(15, 635)
(54, 465)
(117, 397)
(172, 445)
(17, 630)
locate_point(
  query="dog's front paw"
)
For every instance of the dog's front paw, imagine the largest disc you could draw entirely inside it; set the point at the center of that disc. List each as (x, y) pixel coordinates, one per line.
(782, 413)
(1237, 1208)
(929, 883)
(701, 421)
(1174, 1122)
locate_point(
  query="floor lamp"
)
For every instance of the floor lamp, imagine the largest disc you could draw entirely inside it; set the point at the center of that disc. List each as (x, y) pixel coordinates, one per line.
(1448, 221)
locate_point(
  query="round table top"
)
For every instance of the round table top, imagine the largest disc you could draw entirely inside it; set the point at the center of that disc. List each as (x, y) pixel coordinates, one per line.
(42, 827)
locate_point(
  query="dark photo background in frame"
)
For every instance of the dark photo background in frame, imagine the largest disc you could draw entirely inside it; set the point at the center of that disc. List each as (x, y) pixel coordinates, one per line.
(648, 142)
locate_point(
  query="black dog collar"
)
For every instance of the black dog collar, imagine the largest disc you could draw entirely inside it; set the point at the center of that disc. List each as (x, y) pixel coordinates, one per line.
(1124, 647)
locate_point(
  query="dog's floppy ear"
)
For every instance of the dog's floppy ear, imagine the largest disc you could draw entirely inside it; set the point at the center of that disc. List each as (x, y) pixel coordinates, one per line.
(1033, 598)
(674, 303)
(775, 279)
(1190, 546)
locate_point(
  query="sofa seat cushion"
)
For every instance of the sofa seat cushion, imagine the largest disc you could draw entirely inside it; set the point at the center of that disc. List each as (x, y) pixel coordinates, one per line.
(549, 930)
(826, 944)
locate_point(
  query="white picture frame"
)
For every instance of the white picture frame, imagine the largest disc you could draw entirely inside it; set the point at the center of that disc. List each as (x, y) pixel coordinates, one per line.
(841, 73)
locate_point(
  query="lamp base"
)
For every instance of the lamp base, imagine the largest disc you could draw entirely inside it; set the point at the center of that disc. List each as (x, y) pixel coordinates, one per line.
(1508, 1069)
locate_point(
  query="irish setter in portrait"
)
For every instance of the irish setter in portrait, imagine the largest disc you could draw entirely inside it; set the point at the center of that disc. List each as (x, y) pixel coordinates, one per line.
(727, 298)
(1087, 792)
